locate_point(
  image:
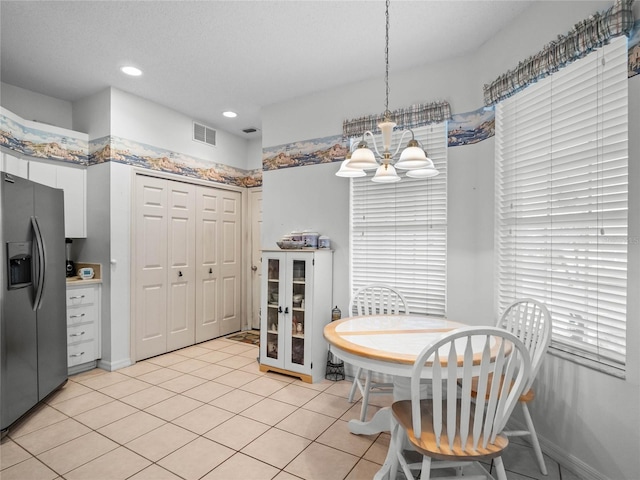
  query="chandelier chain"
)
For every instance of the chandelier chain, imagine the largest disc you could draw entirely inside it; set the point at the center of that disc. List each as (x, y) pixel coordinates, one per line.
(386, 61)
(413, 157)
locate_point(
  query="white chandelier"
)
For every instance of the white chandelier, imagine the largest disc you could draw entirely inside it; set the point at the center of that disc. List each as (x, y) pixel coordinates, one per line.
(413, 158)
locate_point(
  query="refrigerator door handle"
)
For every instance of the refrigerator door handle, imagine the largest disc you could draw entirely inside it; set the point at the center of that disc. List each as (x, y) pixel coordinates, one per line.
(41, 263)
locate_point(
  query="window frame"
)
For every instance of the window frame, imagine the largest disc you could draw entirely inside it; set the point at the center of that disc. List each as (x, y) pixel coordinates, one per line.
(424, 290)
(606, 141)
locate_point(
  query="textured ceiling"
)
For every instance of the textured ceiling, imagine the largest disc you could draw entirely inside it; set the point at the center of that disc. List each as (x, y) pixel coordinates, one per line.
(203, 57)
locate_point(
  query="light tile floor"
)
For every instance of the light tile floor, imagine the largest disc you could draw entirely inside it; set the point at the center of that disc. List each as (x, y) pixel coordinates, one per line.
(205, 412)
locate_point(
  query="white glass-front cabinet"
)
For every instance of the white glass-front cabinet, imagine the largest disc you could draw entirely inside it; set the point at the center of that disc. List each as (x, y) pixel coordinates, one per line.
(296, 305)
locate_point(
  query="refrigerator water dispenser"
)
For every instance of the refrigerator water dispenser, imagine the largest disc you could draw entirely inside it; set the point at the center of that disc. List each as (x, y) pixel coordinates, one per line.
(19, 263)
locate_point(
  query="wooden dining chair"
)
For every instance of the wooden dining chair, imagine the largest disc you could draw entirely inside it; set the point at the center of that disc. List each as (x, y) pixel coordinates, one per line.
(451, 428)
(373, 299)
(530, 321)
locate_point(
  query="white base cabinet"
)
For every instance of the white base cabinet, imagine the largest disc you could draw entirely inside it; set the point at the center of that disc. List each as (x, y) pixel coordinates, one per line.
(296, 305)
(83, 327)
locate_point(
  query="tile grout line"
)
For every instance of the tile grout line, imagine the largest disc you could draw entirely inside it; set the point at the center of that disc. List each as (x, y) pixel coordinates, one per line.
(126, 377)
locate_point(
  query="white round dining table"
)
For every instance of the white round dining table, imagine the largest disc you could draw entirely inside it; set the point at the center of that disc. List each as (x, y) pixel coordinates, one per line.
(386, 344)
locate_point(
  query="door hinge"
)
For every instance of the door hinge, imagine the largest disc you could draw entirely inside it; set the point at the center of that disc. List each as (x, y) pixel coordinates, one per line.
(312, 365)
(313, 261)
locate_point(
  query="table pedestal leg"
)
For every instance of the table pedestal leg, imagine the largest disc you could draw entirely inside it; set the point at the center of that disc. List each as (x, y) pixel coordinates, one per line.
(379, 423)
(383, 421)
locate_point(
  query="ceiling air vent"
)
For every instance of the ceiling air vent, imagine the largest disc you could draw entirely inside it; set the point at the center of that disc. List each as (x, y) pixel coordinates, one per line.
(204, 134)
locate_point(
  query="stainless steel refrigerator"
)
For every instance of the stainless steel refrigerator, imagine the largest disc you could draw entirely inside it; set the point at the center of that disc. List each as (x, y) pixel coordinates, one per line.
(33, 331)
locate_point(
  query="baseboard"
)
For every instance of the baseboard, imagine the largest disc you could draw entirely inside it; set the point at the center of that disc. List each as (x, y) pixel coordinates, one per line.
(566, 460)
(112, 366)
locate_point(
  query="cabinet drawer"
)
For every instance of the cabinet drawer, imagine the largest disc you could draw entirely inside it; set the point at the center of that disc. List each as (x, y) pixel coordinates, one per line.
(81, 333)
(80, 296)
(81, 314)
(81, 353)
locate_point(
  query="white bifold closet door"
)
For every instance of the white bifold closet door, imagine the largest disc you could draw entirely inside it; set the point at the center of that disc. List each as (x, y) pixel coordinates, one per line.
(187, 264)
(218, 260)
(181, 246)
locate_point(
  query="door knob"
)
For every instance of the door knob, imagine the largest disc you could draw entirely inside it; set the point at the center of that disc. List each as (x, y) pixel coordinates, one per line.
(279, 309)
(254, 268)
(210, 270)
(179, 273)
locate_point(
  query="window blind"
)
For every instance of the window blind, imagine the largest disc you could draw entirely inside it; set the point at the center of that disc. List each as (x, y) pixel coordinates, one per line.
(561, 202)
(399, 230)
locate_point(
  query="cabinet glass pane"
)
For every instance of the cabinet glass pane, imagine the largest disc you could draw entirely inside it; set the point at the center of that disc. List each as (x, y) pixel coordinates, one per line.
(298, 295)
(273, 307)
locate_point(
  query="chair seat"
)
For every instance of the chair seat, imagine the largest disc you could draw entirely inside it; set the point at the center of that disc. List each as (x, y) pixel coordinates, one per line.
(426, 445)
(526, 397)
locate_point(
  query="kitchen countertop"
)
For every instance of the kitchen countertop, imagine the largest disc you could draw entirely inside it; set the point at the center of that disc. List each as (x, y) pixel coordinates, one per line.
(77, 281)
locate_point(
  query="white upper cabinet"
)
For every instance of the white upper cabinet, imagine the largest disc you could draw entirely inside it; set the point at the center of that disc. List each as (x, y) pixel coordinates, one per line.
(14, 165)
(72, 180)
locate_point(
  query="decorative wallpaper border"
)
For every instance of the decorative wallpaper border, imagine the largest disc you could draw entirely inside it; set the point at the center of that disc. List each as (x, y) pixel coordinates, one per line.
(306, 152)
(131, 152)
(471, 127)
(634, 50)
(463, 129)
(31, 138)
(62, 145)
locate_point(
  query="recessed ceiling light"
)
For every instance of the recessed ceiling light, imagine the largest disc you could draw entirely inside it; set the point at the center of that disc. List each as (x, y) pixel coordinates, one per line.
(133, 71)
(230, 114)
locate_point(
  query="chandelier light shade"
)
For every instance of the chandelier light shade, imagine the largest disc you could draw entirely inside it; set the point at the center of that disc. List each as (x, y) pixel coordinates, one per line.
(423, 172)
(349, 172)
(412, 159)
(362, 158)
(386, 173)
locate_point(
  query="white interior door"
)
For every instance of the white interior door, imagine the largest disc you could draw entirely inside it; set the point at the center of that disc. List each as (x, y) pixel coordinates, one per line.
(255, 210)
(150, 266)
(207, 264)
(229, 308)
(181, 268)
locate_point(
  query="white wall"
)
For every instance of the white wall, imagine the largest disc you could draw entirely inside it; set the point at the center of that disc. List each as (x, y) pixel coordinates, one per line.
(138, 119)
(293, 204)
(586, 419)
(470, 233)
(120, 257)
(92, 115)
(36, 107)
(254, 154)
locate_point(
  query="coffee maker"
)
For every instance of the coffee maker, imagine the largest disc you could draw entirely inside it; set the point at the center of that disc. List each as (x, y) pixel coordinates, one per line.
(71, 268)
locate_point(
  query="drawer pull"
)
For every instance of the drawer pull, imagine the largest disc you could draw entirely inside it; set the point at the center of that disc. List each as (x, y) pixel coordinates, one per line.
(76, 296)
(77, 316)
(77, 334)
(77, 354)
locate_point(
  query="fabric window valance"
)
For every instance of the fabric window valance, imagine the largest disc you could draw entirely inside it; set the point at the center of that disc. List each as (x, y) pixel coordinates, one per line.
(586, 36)
(410, 117)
